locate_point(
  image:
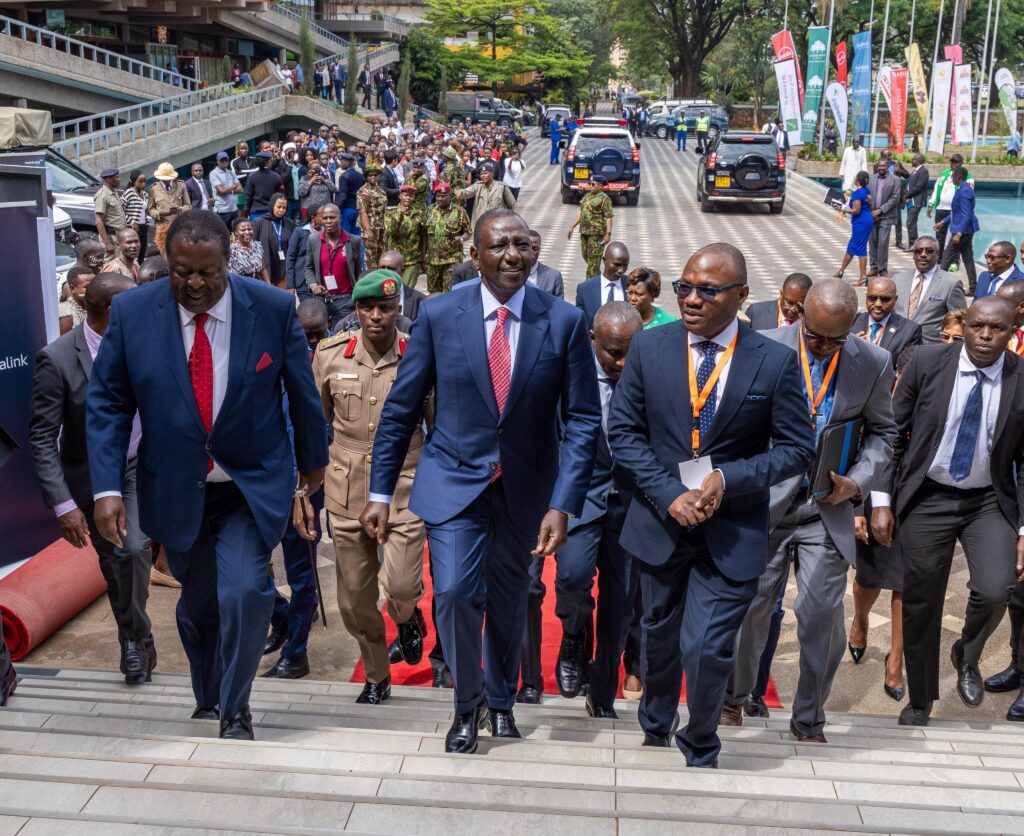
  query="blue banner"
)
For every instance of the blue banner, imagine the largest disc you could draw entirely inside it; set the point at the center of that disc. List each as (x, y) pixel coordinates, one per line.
(860, 96)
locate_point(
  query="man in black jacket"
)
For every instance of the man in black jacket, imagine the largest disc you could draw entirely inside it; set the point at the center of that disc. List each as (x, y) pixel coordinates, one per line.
(390, 179)
(200, 193)
(915, 197)
(261, 185)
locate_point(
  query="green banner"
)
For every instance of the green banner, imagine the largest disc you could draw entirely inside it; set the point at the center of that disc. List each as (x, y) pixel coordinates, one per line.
(816, 78)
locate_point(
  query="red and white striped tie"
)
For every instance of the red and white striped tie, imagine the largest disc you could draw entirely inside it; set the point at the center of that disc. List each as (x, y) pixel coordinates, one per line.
(499, 357)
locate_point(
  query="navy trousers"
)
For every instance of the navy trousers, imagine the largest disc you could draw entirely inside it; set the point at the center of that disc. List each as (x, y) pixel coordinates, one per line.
(480, 561)
(594, 547)
(692, 614)
(531, 670)
(227, 596)
(298, 612)
(350, 220)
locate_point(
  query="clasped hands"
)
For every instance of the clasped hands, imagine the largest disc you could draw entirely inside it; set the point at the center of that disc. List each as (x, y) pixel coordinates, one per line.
(698, 505)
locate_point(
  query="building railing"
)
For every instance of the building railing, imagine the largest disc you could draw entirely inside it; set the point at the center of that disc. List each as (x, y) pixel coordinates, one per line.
(289, 12)
(76, 148)
(72, 128)
(80, 49)
(366, 51)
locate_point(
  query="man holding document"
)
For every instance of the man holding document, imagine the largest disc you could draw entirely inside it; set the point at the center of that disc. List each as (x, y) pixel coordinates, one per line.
(845, 384)
(703, 459)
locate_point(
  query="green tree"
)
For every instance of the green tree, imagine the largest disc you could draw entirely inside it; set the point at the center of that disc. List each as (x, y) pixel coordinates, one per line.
(225, 68)
(352, 68)
(429, 65)
(307, 49)
(442, 99)
(404, 72)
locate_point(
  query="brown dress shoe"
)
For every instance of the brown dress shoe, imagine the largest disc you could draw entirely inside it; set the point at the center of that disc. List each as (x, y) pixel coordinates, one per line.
(732, 715)
(806, 738)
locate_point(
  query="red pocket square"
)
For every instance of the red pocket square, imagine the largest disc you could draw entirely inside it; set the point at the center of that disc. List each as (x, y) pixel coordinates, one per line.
(265, 360)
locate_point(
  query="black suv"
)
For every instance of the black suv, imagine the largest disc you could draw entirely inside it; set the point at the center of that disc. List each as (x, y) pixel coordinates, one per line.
(742, 167)
(612, 153)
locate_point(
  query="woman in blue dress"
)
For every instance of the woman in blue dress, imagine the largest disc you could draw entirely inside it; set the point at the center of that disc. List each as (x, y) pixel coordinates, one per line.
(861, 221)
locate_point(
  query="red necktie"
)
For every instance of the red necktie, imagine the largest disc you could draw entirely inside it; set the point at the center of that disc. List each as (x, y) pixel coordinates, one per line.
(499, 357)
(200, 369)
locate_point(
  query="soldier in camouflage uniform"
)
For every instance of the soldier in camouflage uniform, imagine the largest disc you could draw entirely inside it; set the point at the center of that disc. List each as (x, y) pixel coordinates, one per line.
(422, 183)
(595, 223)
(372, 202)
(447, 228)
(403, 231)
(453, 173)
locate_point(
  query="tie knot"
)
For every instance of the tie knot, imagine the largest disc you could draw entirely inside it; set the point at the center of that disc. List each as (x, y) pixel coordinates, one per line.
(200, 319)
(503, 313)
(708, 347)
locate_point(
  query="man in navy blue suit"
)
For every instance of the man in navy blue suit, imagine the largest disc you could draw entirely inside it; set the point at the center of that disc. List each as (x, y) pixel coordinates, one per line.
(999, 261)
(703, 462)
(962, 224)
(610, 286)
(508, 364)
(203, 358)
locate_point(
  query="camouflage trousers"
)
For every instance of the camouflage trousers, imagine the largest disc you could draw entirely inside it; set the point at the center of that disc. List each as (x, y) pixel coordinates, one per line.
(592, 250)
(372, 251)
(411, 273)
(439, 277)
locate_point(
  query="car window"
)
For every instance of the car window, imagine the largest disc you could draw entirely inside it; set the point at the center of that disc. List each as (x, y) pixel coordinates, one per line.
(587, 146)
(728, 150)
(63, 177)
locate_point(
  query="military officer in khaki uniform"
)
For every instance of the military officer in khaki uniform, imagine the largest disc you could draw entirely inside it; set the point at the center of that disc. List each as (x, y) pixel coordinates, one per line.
(354, 372)
(110, 218)
(595, 223)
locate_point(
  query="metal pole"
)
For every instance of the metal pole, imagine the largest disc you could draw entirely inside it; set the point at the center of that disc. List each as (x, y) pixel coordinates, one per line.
(981, 85)
(931, 77)
(824, 83)
(881, 63)
(785, 16)
(913, 9)
(991, 75)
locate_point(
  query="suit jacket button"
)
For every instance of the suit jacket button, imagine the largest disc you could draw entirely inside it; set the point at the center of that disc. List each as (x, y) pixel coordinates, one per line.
(376, 372)
(373, 401)
(209, 447)
(501, 430)
(494, 465)
(372, 427)
(200, 485)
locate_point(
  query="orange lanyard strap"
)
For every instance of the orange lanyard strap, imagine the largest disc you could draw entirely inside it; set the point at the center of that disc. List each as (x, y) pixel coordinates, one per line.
(814, 399)
(698, 399)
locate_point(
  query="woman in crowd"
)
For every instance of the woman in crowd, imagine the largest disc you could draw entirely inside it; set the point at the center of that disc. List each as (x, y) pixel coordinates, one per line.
(135, 201)
(643, 287)
(273, 232)
(514, 168)
(861, 221)
(246, 254)
(315, 189)
(952, 328)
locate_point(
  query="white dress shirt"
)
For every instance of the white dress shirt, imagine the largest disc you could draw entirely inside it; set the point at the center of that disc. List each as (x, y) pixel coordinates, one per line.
(618, 294)
(202, 190)
(724, 337)
(928, 276)
(998, 281)
(605, 389)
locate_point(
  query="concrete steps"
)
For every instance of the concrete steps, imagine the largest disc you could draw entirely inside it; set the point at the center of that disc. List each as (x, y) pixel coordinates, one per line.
(80, 749)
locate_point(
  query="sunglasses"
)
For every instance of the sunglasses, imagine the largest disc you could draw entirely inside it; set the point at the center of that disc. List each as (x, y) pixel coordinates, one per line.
(821, 338)
(950, 338)
(885, 300)
(928, 250)
(708, 294)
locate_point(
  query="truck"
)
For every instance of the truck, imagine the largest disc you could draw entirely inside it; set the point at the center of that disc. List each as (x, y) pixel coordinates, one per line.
(480, 107)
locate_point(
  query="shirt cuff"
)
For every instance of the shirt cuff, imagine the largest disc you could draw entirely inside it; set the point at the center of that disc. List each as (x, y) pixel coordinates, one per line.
(719, 470)
(64, 507)
(880, 499)
(1020, 531)
(102, 494)
(381, 497)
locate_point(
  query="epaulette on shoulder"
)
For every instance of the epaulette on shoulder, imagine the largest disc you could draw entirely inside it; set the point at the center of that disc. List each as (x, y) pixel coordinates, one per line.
(336, 340)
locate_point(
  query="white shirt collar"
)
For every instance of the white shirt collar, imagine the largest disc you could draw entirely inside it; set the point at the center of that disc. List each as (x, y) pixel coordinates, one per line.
(1006, 273)
(514, 305)
(219, 311)
(992, 372)
(723, 338)
(930, 274)
(613, 282)
(883, 322)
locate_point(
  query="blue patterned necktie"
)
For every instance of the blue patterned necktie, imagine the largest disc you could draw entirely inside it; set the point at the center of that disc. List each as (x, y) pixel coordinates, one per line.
(875, 328)
(967, 436)
(709, 350)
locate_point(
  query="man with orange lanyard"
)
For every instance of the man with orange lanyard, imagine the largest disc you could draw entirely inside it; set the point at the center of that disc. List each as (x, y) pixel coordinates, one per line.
(843, 380)
(774, 313)
(881, 325)
(334, 260)
(1013, 292)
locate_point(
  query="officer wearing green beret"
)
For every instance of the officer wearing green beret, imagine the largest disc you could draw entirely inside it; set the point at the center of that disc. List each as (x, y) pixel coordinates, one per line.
(595, 223)
(354, 372)
(372, 203)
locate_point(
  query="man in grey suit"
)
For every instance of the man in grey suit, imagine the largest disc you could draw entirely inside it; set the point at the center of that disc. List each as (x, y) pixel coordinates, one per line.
(886, 194)
(786, 310)
(57, 439)
(546, 278)
(849, 379)
(926, 293)
(881, 325)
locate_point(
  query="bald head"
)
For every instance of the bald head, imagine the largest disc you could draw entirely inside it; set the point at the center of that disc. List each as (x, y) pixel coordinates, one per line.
(829, 311)
(1013, 292)
(392, 260)
(726, 257)
(615, 261)
(614, 326)
(617, 315)
(98, 296)
(833, 296)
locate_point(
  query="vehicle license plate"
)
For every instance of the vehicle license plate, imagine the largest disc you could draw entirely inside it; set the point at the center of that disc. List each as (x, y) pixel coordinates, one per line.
(722, 182)
(581, 174)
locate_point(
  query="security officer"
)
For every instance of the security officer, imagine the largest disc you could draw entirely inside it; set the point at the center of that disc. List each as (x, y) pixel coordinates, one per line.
(403, 231)
(354, 372)
(447, 227)
(110, 217)
(420, 180)
(681, 129)
(452, 172)
(595, 223)
(703, 123)
(372, 202)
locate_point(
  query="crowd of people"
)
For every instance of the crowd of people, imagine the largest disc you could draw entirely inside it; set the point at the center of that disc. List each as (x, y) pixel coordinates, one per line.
(504, 427)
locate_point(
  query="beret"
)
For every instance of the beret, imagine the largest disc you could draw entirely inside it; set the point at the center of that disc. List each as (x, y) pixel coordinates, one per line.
(377, 284)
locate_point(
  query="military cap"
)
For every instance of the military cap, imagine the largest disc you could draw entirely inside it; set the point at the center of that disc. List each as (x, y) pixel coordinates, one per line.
(441, 186)
(371, 168)
(347, 157)
(450, 153)
(408, 187)
(109, 172)
(378, 284)
(418, 162)
(598, 178)
(264, 155)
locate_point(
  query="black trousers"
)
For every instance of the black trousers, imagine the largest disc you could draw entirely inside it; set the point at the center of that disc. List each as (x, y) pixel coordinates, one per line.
(940, 234)
(1016, 611)
(928, 533)
(366, 97)
(912, 212)
(962, 249)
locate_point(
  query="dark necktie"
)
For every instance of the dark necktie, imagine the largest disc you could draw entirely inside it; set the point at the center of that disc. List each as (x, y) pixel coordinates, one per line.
(875, 328)
(709, 350)
(611, 293)
(200, 369)
(967, 435)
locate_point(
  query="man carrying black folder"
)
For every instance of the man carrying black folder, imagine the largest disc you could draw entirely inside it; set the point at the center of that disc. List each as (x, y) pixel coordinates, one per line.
(846, 384)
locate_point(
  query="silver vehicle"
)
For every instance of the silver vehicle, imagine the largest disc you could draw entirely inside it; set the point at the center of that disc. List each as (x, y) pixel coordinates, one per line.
(73, 189)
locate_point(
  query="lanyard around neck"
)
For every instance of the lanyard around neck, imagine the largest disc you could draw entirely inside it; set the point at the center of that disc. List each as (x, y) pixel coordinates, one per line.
(814, 399)
(698, 399)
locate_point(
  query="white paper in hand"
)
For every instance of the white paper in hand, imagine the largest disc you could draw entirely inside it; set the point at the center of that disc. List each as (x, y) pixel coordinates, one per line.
(693, 472)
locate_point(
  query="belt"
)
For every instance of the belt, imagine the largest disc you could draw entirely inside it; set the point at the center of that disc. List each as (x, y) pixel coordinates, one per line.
(939, 487)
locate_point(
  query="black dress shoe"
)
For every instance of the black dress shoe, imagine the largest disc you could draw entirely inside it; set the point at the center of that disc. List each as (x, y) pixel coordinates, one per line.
(755, 707)
(969, 685)
(1016, 710)
(528, 695)
(856, 653)
(462, 736)
(151, 650)
(395, 651)
(374, 693)
(238, 727)
(410, 640)
(894, 692)
(502, 724)
(442, 677)
(662, 741)
(8, 684)
(294, 668)
(599, 712)
(276, 638)
(135, 662)
(915, 715)
(1005, 681)
(206, 713)
(570, 667)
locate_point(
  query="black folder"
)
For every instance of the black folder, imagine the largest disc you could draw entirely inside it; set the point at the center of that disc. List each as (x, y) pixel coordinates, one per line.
(837, 450)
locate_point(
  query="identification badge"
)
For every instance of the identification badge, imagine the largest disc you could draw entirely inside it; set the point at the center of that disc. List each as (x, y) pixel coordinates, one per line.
(346, 376)
(693, 472)
(280, 255)
(330, 283)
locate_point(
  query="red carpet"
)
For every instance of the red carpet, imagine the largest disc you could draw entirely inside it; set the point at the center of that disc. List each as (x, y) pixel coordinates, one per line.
(44, 594)
(421, 674)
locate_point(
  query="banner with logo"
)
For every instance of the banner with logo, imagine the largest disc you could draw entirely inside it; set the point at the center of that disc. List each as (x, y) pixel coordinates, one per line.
(962, 105)
(884, 81)
(785, 49)
(1007, 97)
(789, 100)
(920, 82)
(942, 84)
(841, 62)
(835, 95)
(817, 76)
(860, 98)
(954, 53)
(898, 108)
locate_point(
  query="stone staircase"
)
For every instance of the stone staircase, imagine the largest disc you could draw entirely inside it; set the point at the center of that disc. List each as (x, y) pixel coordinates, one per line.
(82, 753)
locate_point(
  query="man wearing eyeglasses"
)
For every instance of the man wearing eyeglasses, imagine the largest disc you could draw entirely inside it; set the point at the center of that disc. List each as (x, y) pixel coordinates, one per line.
(1000, 269)
(927, 293)
(786, 310)
(880, 324)
(842, 380)
(698, 525)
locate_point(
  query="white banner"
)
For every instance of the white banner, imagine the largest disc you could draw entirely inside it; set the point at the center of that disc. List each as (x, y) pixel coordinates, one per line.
(885, 85)
(1007, 90)
(789, 100)
(962, 109)
(835, 95)
(942, 84)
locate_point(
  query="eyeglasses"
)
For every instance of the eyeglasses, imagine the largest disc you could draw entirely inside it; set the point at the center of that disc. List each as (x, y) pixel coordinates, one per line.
(821, 338)
(950, 338)
(708, 294)
(885, 300)
(928, 250)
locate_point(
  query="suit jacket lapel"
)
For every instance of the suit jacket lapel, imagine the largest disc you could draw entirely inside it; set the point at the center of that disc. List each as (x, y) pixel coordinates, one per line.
(847, 374)
(746, 361)
(946, 380)
(1007, 392)
(470, 327)
(84, 355)
(243, 320)
(533, 330)
(169, 325)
